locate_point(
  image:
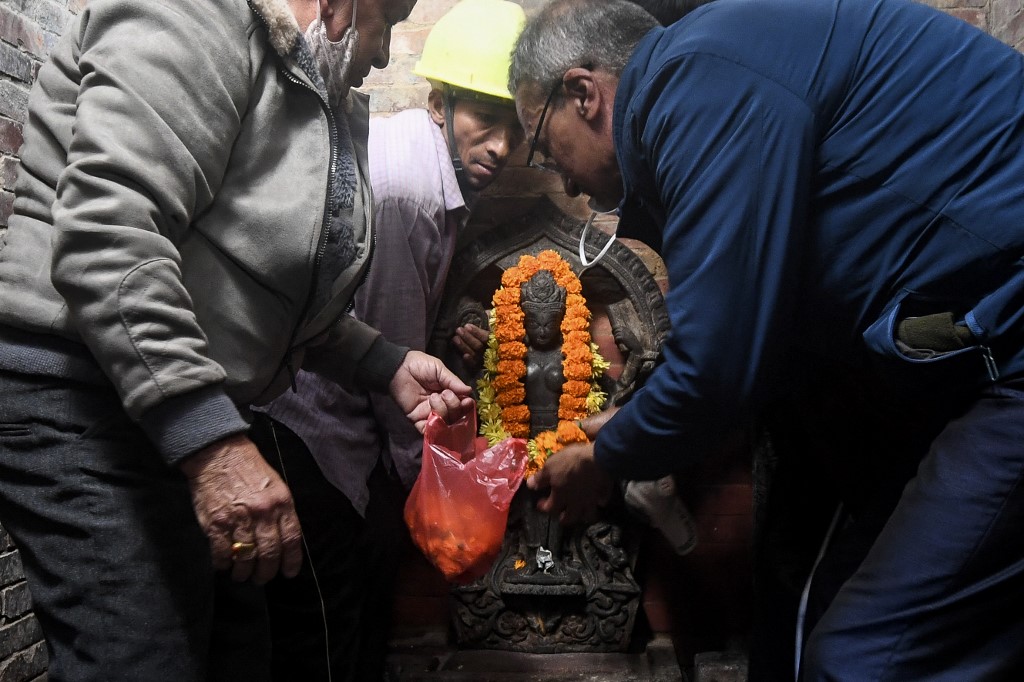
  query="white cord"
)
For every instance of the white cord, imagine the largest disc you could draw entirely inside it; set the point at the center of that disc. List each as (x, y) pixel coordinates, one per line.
(312, 569)
(583, 238)
(801, 613)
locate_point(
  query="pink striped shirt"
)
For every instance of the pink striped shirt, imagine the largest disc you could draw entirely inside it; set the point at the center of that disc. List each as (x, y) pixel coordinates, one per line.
(418, 212)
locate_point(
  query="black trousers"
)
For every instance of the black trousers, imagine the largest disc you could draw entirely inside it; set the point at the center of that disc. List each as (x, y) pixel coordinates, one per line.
(923, 578)
(332, 621)
(120, 572)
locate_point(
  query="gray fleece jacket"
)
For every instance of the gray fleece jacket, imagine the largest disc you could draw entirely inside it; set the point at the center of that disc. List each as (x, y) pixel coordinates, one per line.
(173, 211)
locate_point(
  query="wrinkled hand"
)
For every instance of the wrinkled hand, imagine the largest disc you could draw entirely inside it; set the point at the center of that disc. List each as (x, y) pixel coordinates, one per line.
(423, 384)
(471, 340)
(239, 498)
(578, 484)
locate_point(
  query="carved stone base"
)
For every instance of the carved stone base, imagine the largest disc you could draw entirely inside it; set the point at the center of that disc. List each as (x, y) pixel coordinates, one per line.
(580, 597)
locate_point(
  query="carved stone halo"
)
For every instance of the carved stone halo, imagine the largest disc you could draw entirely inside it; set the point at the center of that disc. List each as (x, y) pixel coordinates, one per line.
(619, 284)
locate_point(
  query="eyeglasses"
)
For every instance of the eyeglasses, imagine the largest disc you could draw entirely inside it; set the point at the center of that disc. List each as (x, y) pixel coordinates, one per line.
(548, 165)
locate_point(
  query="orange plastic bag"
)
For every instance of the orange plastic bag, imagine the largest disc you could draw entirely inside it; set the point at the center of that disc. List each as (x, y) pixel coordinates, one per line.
(458, 507)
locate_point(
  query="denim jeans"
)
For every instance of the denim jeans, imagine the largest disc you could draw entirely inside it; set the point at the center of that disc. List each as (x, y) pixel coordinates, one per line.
(118, 568)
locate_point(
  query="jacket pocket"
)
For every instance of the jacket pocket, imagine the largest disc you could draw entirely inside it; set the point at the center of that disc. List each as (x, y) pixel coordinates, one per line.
(957, 361)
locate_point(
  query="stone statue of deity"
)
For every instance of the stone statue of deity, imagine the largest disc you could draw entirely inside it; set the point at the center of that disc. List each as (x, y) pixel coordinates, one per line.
(543, 304)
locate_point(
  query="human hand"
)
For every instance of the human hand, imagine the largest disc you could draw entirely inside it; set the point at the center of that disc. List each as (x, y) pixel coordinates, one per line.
(578, 484)
(592, 424)
(423, 384)
(239, 499)
(471, 340)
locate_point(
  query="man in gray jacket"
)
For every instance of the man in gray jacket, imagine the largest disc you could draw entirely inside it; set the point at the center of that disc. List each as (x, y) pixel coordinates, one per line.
(191, 220)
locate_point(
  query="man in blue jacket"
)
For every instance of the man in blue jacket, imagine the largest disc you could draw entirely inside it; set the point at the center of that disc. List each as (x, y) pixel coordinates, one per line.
(837, 190)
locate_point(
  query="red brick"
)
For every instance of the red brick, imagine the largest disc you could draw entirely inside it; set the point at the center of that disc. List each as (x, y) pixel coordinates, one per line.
(408, 40)
(10, 136)
(8, 171)
(17, 30)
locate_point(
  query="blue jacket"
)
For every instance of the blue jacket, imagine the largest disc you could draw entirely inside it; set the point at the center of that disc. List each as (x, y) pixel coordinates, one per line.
(812, 172)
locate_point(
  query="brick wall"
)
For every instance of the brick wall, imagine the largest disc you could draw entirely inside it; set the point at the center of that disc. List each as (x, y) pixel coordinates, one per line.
(28, 31)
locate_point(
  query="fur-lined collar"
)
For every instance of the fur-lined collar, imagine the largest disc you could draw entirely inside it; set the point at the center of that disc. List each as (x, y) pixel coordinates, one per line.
(282, 28)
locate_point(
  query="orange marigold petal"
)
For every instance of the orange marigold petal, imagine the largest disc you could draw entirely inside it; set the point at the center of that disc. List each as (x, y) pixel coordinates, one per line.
(503, 382)
(582, 338)
(573, 323)
(512, 278)
(515, 413)
(508, 333)
(506, 297)
(515, 368)
(514, 395)
(569, 432)
(517, 430)
(545, 440)
(512, 349)
(577, 388)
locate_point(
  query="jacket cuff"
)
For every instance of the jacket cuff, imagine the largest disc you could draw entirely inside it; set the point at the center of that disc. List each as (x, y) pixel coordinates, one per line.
(607, 460)
(183, 425)
(379, 365)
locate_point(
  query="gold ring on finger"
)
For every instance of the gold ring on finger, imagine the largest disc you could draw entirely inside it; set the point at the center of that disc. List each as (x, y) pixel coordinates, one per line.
(243, 551)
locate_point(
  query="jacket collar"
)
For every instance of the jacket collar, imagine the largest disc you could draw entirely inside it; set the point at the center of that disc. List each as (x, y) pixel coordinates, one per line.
(282, 28)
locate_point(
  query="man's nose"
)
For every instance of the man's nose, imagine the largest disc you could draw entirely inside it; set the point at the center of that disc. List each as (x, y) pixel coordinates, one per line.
(383, 56)
(501, 143)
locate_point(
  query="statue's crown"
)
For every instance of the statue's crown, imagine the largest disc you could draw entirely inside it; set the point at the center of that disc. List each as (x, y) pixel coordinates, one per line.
(541, 292)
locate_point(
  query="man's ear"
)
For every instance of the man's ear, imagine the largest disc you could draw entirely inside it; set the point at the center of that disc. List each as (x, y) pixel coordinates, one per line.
(585, 95)
(435, 106)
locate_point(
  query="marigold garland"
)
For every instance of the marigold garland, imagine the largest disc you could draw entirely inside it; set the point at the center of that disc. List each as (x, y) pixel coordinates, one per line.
(500, 390)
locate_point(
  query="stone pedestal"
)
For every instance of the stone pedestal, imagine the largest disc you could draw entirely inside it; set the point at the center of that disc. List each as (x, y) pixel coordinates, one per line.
(432, 660)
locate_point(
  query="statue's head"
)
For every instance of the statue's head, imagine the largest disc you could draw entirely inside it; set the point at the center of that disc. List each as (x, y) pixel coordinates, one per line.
(543, 303)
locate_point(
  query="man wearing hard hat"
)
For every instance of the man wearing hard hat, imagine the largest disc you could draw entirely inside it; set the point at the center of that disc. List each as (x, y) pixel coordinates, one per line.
(349, 457)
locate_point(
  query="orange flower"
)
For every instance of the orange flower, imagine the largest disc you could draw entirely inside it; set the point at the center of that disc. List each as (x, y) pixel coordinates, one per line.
(573, 301)
(575, 408)
(517, 430)
(578, 339)
(577, 388)
(574, 323)
(569, 432)
(511, 279)
(515, 413)
(504, 382)
(546, 441)
(512, 349)
(514, 395)
(579, 353)
(512, 367)
(506, 297)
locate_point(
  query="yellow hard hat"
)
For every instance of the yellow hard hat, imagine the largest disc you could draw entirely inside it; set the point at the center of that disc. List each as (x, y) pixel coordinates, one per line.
(470, 47)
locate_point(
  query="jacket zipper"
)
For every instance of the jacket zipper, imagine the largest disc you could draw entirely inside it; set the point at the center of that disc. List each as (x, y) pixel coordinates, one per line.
(325, 226)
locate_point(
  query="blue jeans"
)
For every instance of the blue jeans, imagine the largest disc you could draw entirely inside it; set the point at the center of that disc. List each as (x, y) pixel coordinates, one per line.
(940, 592)
(119, 569)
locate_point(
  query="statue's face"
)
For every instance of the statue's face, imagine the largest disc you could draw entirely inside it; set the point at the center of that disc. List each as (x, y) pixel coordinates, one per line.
(543, 327)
